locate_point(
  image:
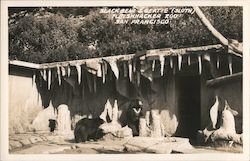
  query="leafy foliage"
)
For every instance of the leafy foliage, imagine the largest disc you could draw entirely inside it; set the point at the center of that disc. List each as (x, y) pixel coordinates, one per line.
(60, 34)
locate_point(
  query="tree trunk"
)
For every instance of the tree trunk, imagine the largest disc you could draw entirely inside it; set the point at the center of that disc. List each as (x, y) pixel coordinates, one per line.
(216, 33)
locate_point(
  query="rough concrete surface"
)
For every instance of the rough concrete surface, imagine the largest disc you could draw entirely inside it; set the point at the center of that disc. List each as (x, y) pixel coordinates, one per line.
(47, 143)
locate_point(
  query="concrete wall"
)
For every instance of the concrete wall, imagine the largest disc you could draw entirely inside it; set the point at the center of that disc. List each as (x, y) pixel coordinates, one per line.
(24, 101)
(165, 100)
(82, 100)
(232, 92)
(31, 103)
(227, 90)
(207, 100)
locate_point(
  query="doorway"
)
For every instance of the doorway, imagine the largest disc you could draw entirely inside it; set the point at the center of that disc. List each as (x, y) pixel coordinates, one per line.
(188, 104)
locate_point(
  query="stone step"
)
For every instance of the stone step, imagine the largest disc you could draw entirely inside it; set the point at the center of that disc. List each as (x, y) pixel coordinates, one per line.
(159, 145)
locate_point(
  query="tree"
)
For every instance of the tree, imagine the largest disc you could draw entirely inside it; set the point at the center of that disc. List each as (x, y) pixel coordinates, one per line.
(61, 34)
(44, 39)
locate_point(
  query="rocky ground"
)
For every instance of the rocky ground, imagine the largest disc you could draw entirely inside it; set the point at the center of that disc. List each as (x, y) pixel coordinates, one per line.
(52, 143)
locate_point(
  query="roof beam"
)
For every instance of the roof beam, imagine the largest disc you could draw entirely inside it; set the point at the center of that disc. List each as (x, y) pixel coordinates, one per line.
(149, 54)
(224, 79)
(24, 64)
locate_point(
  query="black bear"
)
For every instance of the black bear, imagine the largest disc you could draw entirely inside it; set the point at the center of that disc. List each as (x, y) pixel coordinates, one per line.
(52, 125)
(87, 129)
(134, 112)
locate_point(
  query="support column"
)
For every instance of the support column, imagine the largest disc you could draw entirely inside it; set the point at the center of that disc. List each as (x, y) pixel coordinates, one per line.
(156, 123)
(143, 129)
(63, 119)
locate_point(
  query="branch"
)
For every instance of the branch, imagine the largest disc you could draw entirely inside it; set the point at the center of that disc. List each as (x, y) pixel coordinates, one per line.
(216, 33)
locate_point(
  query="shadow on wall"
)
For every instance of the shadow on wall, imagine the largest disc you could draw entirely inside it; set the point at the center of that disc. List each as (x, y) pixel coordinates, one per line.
(232, 93)
(88, 97)
(226, 91)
